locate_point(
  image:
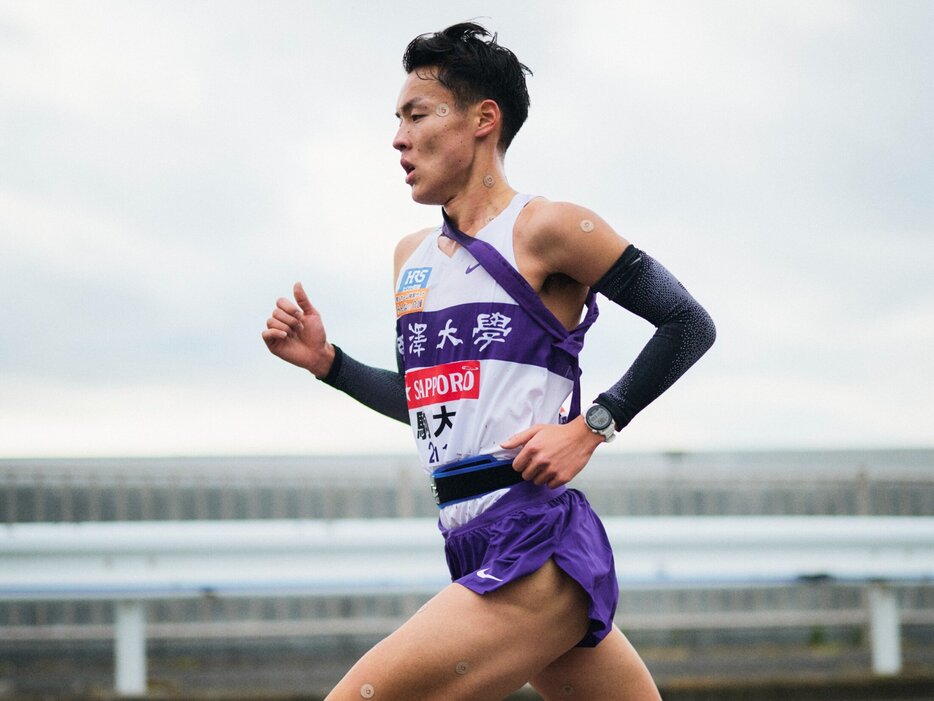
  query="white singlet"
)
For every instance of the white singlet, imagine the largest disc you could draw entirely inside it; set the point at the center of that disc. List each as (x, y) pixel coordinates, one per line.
(479, 367)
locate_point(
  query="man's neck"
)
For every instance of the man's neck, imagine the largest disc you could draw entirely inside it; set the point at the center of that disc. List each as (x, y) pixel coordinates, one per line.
(479, 204)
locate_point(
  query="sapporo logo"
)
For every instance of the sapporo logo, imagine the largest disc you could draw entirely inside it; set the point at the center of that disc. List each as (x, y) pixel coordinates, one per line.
(410, 297)
(443, 383)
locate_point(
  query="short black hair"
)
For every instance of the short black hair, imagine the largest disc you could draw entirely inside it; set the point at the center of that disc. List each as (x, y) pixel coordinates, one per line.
(474, 69)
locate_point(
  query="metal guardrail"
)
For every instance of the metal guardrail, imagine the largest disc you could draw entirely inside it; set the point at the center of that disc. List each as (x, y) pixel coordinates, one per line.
(780, 483)
(132, 562)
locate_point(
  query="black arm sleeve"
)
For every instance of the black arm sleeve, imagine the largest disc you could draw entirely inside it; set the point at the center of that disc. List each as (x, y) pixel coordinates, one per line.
(381, 390)
(684, 331)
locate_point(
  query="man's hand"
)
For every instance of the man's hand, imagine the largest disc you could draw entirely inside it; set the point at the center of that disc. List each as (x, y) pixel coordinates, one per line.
(296, 334)
(553, 454)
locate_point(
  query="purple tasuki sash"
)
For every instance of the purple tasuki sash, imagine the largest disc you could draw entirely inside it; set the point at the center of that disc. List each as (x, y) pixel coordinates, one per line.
(511, 280)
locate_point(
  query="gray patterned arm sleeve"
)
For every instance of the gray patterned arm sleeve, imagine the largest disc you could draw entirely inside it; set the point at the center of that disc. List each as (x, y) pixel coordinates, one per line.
(381, 390)
(684, 331)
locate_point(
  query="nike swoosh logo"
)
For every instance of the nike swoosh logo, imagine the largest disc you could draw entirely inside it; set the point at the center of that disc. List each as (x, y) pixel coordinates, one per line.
(471, 268)
(485, 574)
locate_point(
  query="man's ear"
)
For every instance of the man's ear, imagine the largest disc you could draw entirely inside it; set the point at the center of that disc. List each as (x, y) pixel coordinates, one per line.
(489, 118)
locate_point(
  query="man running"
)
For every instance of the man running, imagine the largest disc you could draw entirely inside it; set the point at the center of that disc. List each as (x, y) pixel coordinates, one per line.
(492, 307)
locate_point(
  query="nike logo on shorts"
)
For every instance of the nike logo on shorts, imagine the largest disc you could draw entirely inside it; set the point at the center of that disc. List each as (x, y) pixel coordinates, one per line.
(485, 574)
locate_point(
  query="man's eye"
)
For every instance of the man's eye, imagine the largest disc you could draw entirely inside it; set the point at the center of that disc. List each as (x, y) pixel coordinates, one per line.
(416, 117)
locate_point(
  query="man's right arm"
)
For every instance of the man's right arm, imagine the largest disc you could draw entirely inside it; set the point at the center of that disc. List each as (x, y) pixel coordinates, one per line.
(296, 334)
(381, 390)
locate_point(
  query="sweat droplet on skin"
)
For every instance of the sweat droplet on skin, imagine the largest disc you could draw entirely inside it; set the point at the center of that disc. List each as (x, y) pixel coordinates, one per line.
(442, 110)
(586, 226)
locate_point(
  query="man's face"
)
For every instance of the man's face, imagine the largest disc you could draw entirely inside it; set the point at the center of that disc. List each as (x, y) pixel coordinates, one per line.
(435, 139)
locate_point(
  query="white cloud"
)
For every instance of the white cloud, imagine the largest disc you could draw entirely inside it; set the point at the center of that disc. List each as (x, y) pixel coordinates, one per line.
(292, 416)
(101, 60)
(63, 242)
(167, 171)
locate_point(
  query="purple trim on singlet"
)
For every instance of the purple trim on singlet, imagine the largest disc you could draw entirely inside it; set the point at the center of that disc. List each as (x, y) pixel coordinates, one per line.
(526, 343)
(511, 280)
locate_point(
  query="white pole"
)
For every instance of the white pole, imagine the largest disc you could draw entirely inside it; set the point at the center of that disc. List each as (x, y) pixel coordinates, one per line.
(130, 648)
(884, 630)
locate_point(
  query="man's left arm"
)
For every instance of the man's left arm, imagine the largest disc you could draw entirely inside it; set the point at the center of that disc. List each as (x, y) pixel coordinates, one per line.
(684, 331)
(582, 246)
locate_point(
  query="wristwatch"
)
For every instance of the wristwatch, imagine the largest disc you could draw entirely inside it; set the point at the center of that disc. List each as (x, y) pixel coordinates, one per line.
(599, 420)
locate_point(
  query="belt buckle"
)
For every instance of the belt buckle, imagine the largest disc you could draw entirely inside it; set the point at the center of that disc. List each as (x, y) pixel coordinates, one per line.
(434, 490)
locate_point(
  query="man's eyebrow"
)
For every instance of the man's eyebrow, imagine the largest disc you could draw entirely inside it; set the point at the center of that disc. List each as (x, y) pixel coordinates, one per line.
(409, 105)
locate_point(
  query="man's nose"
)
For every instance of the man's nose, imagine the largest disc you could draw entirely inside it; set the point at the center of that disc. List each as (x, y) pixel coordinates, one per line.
(400, 141)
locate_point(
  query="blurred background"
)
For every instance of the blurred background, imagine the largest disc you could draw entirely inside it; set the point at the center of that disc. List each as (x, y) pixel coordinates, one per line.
(806, 637)
(167, 170)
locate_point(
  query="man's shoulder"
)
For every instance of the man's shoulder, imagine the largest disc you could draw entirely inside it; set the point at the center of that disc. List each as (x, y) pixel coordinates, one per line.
(415, 238)
(542, 220)
(566, 238)
(407, 245)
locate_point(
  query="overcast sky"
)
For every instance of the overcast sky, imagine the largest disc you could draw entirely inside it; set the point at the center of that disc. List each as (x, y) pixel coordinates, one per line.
(168, 169)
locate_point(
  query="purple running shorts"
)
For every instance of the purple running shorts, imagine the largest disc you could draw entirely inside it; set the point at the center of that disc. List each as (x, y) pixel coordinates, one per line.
(520, 532)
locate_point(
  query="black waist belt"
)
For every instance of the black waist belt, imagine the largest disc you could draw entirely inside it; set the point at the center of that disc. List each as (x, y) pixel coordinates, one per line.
(473, 477)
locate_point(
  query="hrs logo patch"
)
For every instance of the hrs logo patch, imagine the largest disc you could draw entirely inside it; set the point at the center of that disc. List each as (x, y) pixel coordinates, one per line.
(413, 288)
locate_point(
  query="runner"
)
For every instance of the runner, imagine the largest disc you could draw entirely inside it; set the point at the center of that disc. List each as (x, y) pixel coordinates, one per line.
(492, 308)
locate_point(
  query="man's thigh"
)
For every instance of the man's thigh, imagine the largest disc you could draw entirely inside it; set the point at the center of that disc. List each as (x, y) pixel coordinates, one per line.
(611, 671)
(461, 645)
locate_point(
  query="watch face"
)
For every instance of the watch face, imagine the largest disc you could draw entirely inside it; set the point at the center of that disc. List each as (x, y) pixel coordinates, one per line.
(598, 417)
